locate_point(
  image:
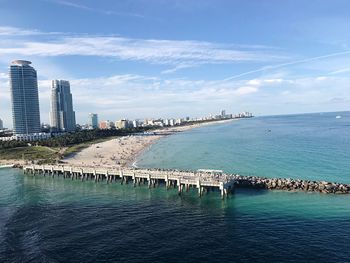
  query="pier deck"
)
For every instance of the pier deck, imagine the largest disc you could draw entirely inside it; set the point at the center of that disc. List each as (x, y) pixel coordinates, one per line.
(203, 180)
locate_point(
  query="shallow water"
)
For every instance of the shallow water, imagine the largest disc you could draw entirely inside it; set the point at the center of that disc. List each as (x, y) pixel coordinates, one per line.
(309, 146)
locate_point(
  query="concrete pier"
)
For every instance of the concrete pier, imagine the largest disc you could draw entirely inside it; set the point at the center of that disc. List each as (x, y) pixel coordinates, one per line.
(203, 180)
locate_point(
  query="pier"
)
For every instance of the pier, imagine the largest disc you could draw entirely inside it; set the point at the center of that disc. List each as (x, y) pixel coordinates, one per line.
(203, 180)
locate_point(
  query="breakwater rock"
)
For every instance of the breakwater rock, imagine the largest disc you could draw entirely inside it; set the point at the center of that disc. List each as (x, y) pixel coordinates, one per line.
(288, 184)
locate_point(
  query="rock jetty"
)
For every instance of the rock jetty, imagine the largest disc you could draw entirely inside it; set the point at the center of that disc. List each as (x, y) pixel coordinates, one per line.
(288, 184)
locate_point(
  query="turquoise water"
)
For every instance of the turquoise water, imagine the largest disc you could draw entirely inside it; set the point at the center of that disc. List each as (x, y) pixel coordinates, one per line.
(310, 146)
(44, 219)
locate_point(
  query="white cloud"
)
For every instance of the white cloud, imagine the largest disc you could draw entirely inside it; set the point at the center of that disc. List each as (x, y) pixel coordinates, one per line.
(289, 64)
(137, 96)
(180, 53)
(95, 10)
(14, 31)
(3, 76)
(339, 71)
(246, 90)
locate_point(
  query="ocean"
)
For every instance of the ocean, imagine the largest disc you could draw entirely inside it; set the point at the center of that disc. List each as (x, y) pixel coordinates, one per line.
(44, 219)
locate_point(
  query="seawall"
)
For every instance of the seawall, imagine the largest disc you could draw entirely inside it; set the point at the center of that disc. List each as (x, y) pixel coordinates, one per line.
(288, 184)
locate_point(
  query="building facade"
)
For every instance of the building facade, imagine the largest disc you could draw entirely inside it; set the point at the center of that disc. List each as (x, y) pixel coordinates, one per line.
(93, 121)
(1, 124)
(62, 115)
(24, 98)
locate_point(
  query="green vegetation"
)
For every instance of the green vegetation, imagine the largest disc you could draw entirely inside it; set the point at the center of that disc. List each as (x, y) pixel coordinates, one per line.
(39, 154)
(86, 136)
(51, 150)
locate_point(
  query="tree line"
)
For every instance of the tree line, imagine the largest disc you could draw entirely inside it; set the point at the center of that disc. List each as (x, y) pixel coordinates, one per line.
(73, 138)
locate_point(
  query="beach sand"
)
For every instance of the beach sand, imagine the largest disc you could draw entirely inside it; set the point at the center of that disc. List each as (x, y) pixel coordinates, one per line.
(122, 151)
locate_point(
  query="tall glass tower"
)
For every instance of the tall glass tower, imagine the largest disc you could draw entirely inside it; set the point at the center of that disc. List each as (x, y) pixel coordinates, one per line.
(24, 97)
(62, 115)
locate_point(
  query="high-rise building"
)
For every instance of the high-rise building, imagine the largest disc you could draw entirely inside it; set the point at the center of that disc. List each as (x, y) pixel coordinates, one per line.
(62, 115)
(93, 120)
(24, 98)
(1, 124)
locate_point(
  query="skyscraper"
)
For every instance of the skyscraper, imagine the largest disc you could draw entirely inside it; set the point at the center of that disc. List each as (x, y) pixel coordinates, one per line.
(93, 120)
(24, 98)
(62, 115)
(1, 124)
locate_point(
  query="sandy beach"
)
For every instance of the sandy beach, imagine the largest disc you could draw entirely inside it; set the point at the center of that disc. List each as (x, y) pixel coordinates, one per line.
(122, 151)
(13, 162)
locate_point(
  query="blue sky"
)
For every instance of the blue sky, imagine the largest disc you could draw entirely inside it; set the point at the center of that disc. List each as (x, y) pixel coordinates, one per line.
(162, 58)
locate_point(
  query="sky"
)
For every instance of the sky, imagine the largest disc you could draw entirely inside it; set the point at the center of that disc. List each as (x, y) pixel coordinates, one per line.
(176, 58)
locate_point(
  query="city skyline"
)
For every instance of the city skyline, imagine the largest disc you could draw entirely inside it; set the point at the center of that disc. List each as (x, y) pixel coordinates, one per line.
(128, 64)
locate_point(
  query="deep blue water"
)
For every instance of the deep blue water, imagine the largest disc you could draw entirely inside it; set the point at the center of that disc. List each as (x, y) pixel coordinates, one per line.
(56, 220)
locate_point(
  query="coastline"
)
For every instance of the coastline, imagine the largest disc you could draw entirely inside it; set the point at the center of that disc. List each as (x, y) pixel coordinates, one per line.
(124, 151)
(12, 162)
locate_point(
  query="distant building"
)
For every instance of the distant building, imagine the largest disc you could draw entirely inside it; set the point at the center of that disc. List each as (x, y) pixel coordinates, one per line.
(62, 115)
(135, 123)
(121, 124)
(1, 124)
(150, 122)
(93, 120)
(172, 122)
(158, 122)
(178, 122)
(103, 125)
(244, 115)
(223, 113)
(106, 125)
(24, 98)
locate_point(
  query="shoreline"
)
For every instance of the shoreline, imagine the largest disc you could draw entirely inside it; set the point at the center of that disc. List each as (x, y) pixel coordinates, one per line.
(124, 151)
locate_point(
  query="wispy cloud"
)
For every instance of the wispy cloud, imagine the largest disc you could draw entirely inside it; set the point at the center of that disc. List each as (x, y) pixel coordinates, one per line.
(291, 63)
(181, 54)
(340, 71)
(95, 10)
(14, 31)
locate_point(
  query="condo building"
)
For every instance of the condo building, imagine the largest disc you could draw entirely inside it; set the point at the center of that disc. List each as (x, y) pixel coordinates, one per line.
(62, 115)
(24, 98)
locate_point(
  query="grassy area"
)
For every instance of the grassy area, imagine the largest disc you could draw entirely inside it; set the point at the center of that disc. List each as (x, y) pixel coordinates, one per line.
(79, 147)
(40, 154)
(43, 154)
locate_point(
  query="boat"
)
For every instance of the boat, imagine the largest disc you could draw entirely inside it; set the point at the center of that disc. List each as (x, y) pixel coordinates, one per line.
(6, 166)
(338, 117)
